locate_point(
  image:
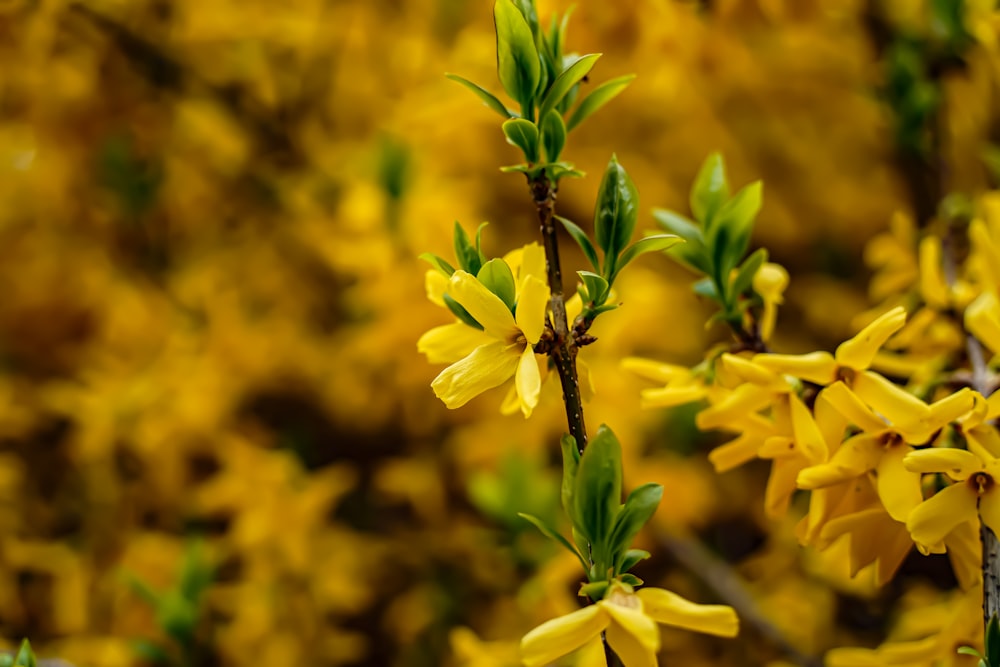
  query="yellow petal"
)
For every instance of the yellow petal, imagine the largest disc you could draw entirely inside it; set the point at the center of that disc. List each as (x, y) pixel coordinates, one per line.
(807, 435)
(532, 262)
(903, 410)
(989, 509)
(898, 488)
(671, 609)
(528, 381)
(858, 352)
(554, 639)
(744, 399)
(982, 319)
(846, 402)
(735, 452)
(956, 463)
(485, 306)
(952, 407)
(532, 300)
(853, 657)
(933, 519)
(855, 457)
(933, 286)
(818, 367)
(668, 397)
(449, 343)
(632, 634)
(436, 284)
(909, 653)
(488, 366)
(511, 402)
(586, 379)
(655, 370)
(748, 371)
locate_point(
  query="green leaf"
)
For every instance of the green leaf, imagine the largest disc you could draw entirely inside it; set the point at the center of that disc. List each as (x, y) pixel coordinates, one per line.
(526, 169)
(596, 286)
(553, 535)
(571, 461)
(720, 274)
(709, 191)
(615, 214)
(737, 215)
(597, 496)
(530, 14)
(523, 134)
(744, 277)
(559, 170)
(692, 252)
(631, 558)
(582, 240)
(486, 96)
(518, 64)
(469, 258)
(644, 245)
(196, 573)
(479, 240)
(438, 263)
(461, 313)
(706, 288)
(569, 77)
(630, 579)
(25, 656)
(993, 641)
(553, 135)
(595, 590)
(968, 650)
(498, 278)
(639, 508)
(600, 96)
(150, 652)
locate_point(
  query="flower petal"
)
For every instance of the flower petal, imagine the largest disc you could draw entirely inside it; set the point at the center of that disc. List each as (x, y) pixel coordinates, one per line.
(449, 343)
(488, 366)
(629, 649)
(808, 437)
(898, 488)
(735, 452)
(485, 306)
(956, 463)
(655, 370)
(982, 321)
(846, 402)
(743, 400)
(818, 367)
(671, 609)
(435, 284)
(532, 300)
(532, 262)
(556, 638)
(933, 519)
(989, 509)
(905, 411)
(528, 381)
(855, 457)
(858, 352)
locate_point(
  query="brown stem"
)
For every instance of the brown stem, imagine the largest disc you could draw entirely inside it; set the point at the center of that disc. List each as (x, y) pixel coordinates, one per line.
(563, 349)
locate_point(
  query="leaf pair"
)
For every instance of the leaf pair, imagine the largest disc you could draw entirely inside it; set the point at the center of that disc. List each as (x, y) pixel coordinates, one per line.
(718, 238)
(603, 527)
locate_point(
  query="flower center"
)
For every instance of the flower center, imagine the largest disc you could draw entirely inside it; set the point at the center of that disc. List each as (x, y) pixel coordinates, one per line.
(623, 599)
(980, 482)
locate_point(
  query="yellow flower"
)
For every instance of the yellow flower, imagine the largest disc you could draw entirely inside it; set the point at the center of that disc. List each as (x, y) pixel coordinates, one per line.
(770, 282)
(629, 621)
(975, 493)
(506, 350)
(855, 354)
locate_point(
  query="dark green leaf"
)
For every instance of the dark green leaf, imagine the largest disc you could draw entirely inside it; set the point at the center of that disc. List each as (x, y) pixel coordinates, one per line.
(438, 263)
(720, 271)
(692, 252)
(595, 590)
(518, 64)
(600, 96)
(737, 215)
(150, 652)
(523, 134)
(553, 535)
(553, 135)
(639, 508)
(561, 170)
(993, 641)
(565, 81)
(498, 278)
(486, 96)
(469, 258)
(631, 558)
(644, 245)
(597, 495)
(461, 313)
(582, 240)
(706, 288)
(25, 656)
(710, 191)
(596, 287)
(615, 214)
(744, 277)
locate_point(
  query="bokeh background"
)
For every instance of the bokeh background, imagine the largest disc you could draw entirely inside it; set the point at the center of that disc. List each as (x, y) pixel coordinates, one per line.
(218, 444)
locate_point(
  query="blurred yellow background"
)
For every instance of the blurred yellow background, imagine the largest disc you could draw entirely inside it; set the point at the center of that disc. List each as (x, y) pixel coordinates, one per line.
(210, 217)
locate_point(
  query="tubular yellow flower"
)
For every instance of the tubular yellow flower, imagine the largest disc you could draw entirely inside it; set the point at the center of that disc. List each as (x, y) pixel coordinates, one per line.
(629, 621)
(975, 492)
(770, 282)
(854, 354)
(508, 351)
(982, 318)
